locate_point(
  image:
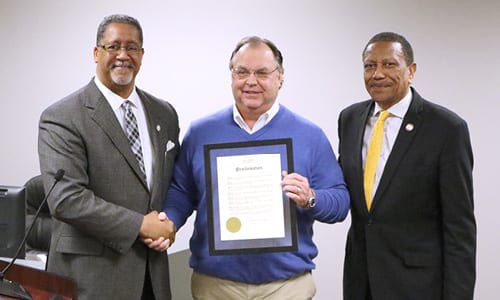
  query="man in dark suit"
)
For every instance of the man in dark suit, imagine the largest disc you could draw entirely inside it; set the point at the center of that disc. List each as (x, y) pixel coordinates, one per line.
(413, 237)
(106, 206)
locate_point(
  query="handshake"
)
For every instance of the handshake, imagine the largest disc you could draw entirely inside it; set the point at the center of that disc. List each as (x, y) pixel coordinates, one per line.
(157, 231)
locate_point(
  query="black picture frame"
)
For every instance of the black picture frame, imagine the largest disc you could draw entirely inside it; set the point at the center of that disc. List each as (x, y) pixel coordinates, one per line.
(220, 246)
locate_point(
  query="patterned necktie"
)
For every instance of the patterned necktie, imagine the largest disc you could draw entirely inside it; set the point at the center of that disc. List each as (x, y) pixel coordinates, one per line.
(133, 134)
(373, 155)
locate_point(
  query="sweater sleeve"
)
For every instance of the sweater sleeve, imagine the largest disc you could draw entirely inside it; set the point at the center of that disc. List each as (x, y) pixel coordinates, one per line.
(332, 196)
(180, 200)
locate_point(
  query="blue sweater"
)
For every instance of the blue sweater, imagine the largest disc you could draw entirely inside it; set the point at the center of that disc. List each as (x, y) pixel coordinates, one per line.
(312, 157)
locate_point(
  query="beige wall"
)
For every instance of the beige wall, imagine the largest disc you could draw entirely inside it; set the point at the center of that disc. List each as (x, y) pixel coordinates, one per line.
(47, 53)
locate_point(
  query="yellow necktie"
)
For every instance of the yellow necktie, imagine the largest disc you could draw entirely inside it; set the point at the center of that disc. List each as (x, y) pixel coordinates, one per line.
(372, 156)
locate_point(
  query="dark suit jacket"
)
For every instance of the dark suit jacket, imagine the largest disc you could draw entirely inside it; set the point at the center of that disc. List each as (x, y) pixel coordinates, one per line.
(419, 240)
(100, 202)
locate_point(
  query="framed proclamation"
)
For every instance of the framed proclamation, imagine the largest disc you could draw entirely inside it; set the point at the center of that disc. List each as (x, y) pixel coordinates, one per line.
(248, 212)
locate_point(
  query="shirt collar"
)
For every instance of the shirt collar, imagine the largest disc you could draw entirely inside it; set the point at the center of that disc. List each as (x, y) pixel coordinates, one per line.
(399, 109)
(114, 100)
(266, 117)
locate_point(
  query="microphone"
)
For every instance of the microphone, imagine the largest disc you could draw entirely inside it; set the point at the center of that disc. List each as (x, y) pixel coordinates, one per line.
(11, 288)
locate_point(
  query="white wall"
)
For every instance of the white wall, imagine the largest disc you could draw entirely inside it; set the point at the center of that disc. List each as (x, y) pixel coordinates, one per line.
(46, 53)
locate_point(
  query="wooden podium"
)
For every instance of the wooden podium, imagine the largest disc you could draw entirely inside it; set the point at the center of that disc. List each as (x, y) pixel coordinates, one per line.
(42, 285)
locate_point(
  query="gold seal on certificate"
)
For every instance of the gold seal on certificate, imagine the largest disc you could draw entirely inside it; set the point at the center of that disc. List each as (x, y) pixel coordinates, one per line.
(233, 224)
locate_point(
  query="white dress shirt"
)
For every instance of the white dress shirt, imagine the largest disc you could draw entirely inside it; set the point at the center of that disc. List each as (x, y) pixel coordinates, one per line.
(261, 121)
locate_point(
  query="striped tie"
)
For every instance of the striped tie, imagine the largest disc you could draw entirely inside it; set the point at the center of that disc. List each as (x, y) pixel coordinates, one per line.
(373, 155)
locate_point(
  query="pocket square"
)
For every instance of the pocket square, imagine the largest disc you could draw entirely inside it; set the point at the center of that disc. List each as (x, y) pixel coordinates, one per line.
(170, 145)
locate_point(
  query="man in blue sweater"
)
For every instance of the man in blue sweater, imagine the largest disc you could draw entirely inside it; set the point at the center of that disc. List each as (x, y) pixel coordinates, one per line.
(316, 186)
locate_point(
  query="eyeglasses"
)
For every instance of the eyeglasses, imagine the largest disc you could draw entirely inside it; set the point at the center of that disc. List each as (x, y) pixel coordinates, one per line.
(115, 48)
(242, 73)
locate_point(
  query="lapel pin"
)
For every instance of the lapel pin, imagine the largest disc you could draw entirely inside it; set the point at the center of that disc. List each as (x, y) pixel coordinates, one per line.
(409, 127)
(158, 128)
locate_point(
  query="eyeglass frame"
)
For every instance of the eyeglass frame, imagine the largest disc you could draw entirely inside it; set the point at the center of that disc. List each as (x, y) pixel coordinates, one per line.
(115, 48)
(260, 74)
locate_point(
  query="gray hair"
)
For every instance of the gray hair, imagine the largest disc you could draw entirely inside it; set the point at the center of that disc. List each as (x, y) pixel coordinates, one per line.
(118, 19)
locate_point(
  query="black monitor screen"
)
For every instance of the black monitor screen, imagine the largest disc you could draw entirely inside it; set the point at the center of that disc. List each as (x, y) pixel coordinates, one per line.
(12, 220)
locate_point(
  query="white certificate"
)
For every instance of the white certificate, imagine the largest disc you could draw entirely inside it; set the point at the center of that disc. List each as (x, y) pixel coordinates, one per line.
(250, 197)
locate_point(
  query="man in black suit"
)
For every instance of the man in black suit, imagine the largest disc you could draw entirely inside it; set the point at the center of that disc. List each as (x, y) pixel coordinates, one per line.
(414, 235)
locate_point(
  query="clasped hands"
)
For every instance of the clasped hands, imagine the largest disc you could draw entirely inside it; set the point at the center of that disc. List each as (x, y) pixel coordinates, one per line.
(157, 231)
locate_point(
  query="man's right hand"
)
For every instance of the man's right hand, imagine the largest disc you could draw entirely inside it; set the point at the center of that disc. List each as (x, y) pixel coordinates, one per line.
(155, 226)
(161, 244)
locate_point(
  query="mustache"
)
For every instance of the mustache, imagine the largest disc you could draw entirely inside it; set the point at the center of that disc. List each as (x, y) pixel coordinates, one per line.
(379, 84)
(122, 64)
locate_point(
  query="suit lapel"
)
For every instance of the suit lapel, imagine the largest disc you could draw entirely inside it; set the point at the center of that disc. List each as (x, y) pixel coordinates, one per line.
(156, 127)
(409, 127)
(360, 133)
(103, 115)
